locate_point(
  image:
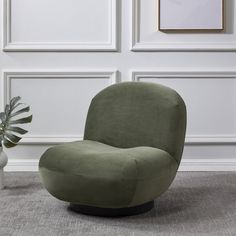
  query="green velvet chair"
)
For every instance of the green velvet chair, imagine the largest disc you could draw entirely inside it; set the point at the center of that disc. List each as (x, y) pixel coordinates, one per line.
(132, 147)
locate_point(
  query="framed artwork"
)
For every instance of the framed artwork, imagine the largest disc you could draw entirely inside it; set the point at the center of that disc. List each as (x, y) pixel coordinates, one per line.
(191, 15)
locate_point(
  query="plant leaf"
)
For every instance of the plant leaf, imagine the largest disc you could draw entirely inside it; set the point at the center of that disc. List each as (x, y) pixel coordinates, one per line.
(8, 133)
(2, 116)
(25, 109)
(13, 138)
(17, 130)
(8, 144)
(14, 101)
(7, 109)
(24, 120)
(18, 104)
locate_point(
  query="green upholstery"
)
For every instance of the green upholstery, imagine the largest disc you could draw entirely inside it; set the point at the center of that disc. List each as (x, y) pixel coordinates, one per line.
(133, 142)
(138, 114)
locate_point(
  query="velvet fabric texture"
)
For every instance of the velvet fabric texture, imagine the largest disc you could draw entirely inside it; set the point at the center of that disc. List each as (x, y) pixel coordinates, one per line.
(133, 143)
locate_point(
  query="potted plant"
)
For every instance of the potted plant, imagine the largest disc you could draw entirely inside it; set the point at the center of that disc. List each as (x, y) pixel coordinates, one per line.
(9, 130)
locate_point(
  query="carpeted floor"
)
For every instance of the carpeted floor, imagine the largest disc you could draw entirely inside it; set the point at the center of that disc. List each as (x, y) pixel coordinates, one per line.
(198, 203)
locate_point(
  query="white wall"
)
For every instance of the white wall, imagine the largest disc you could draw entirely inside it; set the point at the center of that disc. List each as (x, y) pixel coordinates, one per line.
(57, 54)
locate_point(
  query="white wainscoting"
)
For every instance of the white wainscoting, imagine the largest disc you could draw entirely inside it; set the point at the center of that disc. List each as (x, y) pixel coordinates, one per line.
(58, 25)
(59, 101)
(146, 37)
(51, 47)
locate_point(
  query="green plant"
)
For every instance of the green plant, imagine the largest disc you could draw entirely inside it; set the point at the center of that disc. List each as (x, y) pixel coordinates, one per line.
(8, 130)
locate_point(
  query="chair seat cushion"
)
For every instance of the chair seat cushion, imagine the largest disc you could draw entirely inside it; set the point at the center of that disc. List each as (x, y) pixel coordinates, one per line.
(95, 174)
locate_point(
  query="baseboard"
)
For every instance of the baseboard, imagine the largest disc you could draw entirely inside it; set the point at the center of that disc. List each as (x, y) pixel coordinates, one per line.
(186, 165)
(208, 165)
(22, 165)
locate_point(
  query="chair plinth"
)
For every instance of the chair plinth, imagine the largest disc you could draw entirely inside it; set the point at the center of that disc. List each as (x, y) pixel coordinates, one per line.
(112, 212)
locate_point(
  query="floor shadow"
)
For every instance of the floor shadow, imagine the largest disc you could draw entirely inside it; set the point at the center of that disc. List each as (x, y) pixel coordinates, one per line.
(23, 189)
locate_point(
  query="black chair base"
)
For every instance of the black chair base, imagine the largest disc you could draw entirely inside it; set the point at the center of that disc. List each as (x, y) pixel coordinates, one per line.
(112, 212)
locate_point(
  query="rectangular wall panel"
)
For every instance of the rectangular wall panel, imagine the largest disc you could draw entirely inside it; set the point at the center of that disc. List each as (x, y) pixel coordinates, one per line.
(210, 98)
(59, 101)
(49, 25)
(145, 35)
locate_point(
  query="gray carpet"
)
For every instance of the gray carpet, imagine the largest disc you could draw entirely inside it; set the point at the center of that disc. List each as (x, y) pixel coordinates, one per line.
(198, 203)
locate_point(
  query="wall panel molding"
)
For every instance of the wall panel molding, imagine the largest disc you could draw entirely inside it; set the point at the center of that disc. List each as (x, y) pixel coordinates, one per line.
(8, 76)
(111, 45)
(168, 73)
(138, 45)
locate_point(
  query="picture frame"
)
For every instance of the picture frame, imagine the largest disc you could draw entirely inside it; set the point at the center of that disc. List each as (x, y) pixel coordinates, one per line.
(191, 15)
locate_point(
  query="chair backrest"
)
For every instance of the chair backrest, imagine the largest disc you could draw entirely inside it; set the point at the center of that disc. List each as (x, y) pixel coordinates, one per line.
(132, 114)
